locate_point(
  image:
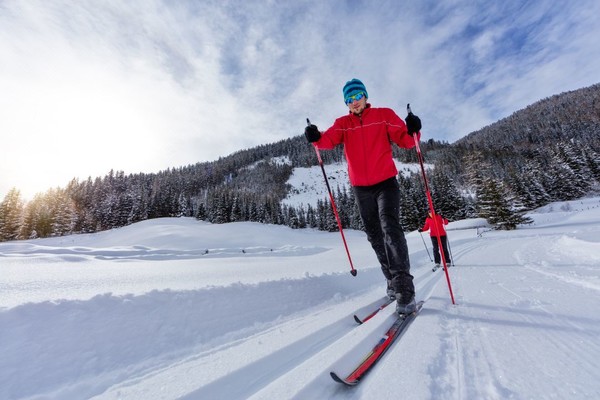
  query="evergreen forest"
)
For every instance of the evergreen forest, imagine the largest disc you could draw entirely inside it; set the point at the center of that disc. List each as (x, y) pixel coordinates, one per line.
(546, 152)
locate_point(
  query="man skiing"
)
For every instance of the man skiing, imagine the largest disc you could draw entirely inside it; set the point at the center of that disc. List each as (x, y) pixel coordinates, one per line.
(367, 133)
(436, 229)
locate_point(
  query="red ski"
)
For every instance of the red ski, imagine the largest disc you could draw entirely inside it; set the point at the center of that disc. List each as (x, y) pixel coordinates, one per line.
(380, 348)
(386, 303)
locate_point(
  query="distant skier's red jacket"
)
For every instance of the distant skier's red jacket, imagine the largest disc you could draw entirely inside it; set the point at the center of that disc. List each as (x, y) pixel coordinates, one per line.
(367, 143)
(433, 228)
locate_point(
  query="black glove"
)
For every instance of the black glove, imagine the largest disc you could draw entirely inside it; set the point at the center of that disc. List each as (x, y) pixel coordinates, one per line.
(420, 230)
(413, 123)
(312, 133)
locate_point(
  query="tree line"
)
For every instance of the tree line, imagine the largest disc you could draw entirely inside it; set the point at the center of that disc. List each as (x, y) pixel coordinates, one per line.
(544, 153)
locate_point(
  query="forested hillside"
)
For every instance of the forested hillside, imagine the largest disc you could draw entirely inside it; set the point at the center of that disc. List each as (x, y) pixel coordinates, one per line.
(549, 151)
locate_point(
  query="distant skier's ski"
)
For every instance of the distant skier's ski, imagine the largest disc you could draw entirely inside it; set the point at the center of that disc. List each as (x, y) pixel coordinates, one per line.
(371, 315)
(378, 350)
(438, 266)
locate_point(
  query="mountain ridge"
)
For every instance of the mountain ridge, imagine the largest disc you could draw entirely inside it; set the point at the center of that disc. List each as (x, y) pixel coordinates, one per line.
(548, 151)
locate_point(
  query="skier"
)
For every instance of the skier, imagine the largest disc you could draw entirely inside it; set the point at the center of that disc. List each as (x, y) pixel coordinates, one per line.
(366, 133)
(434, 233)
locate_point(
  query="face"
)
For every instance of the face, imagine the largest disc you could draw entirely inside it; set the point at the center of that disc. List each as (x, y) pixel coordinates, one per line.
(358, 106)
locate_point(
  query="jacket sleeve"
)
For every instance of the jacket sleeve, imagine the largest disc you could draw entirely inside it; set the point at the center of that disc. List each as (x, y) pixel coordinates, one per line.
(397, 130)
(426, 226)
(332, 137)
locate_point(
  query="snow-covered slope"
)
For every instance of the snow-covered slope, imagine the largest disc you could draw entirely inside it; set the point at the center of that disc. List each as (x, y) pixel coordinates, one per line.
(308, 183)
(177, 308)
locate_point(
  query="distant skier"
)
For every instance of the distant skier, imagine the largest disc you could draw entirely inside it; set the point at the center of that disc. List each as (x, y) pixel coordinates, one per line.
(432, 227)
(367, 133)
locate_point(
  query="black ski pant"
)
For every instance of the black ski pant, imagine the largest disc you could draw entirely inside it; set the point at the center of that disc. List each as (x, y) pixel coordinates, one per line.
(436, 249)
(379, 207)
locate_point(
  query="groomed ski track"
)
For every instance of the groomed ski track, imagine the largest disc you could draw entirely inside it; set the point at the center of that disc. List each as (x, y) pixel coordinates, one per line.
(286, 354)
(292, 357)
(85, 318)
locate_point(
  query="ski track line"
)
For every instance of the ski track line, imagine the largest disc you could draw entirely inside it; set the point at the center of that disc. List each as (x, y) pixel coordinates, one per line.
(467, 367)
(562, 340)
(345, 348)
(272, 359)
(275, 360)
(462, 250)
(461, 366)
(566, 341)
(457, 360)
(301, 343)
(475, 364)
(515, 312)
(566, 279)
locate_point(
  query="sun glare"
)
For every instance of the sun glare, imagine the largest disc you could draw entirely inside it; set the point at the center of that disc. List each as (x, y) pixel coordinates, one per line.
(74, 123)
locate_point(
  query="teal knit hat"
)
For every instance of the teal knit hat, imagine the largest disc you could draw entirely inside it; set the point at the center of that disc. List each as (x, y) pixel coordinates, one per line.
(353, 87)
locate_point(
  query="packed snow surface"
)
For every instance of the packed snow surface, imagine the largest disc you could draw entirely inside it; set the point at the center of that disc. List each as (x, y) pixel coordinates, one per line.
(178, 308)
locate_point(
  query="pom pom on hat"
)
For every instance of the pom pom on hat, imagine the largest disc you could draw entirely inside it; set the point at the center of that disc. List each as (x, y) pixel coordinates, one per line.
(353, 87)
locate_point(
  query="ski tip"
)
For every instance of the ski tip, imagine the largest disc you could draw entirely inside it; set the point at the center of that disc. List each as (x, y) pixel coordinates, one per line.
(419, 306)
(358, 320)
(336, 378)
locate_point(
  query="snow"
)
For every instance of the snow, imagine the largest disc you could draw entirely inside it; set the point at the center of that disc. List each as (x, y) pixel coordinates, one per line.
(308, 183)
(178, 308)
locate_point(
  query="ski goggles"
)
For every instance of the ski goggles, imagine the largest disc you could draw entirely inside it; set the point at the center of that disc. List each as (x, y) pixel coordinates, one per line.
(351, 99)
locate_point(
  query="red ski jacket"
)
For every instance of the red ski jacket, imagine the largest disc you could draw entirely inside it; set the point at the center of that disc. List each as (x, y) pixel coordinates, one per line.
(429, 225)
(367, 143)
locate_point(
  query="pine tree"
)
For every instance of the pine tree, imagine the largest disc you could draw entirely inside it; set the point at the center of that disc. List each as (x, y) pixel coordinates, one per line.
(301, 217)
(497, 206)
(561, 182)
(413, 203)
(326, 217)
(572, 159)
(592, 160)
(447, 199)
(476, 170)
(62, 210)
(527, 185)
(355, 220)
(253, 210)
(292, 218)
(11, 215)
(201, 212)
(236, 209)
(38, 218)
(311, 217)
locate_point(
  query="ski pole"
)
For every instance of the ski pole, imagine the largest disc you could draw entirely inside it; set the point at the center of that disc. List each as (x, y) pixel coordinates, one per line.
(335, 212)
(426, 249)
(450, 251)
(431, 208)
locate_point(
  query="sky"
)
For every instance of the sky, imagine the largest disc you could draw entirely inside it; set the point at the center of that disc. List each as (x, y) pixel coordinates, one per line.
(176, 308)
(146, 85)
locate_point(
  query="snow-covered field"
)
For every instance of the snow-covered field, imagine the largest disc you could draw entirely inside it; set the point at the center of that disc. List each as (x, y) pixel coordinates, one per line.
(177, 308)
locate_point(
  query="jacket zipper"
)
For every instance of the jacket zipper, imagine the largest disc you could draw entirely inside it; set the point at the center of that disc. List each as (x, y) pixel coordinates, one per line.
(365, 163)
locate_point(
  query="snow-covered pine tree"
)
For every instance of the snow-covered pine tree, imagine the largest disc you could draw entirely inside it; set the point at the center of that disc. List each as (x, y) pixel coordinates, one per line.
(497, 205)
(447, 199)
(11, 215)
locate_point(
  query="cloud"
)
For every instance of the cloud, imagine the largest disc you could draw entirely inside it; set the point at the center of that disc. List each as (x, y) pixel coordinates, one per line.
(142, 86)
